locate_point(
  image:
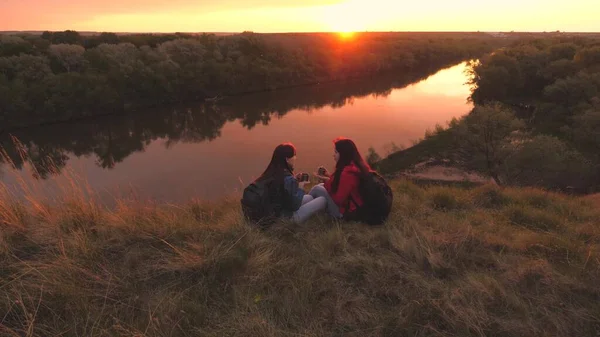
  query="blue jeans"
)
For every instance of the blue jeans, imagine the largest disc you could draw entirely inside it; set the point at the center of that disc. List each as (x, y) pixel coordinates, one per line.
(310, 206)
(319, 191)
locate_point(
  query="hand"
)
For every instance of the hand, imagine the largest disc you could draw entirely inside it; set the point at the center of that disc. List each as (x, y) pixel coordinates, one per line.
(325, 174)
(320, 177)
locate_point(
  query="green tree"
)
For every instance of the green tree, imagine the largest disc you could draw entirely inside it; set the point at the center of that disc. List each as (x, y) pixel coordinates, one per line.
(28, 68)
(14, 45)
(372, 157)
(586, 131)
(189, 55)
(589, 57)
(70, 57)
(562, 51)
(482, 138)
(547, 162)
(109, 38)
(67, 37)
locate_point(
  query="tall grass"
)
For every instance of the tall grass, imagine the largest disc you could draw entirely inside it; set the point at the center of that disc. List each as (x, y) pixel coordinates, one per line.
(449, 262)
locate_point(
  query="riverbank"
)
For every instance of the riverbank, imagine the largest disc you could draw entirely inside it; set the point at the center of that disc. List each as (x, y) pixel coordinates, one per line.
(40, 85)
(320, 93)
(450, 261)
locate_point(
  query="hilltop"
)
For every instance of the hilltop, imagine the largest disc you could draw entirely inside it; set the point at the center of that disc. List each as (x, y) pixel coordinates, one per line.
(450, 261)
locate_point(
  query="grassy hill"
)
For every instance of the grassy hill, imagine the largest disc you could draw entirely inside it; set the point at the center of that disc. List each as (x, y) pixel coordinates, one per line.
(450, 262)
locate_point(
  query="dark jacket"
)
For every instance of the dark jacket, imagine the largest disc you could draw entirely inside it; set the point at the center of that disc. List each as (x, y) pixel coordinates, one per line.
(293, 194)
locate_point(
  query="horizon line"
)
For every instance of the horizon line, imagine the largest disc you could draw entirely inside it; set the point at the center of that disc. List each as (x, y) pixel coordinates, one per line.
(300, 32)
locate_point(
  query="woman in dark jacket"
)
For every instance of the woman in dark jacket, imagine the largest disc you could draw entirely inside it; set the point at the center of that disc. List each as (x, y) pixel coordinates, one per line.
(293, 202)
(341, 188)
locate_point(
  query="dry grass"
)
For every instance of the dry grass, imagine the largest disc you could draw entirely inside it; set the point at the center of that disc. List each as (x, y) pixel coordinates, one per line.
(449, 262)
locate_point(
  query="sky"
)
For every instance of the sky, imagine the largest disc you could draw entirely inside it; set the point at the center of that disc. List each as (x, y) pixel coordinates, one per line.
(300, 15)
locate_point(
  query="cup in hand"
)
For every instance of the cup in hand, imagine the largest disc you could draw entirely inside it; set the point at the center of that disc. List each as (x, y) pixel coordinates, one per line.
(302, 177)
(322, 171)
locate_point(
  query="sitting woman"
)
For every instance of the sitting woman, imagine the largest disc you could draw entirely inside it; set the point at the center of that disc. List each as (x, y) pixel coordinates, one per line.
(289, 199)
(341, 189)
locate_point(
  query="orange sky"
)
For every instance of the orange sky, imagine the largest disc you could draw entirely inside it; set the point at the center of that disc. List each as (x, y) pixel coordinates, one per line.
(300, 15)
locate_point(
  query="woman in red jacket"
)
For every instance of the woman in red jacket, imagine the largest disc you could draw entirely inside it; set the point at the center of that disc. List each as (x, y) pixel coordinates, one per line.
(341, 188)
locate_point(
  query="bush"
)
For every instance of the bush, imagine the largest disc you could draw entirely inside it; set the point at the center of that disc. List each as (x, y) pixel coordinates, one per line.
(481, 138)
(372, 157)
(545, 161)
(490, 196)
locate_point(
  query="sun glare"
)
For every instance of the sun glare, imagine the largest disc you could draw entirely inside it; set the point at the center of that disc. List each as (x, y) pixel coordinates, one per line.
(346, 35)
(346, 18)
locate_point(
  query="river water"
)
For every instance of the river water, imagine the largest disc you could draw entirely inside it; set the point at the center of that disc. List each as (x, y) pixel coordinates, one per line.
(208, 151)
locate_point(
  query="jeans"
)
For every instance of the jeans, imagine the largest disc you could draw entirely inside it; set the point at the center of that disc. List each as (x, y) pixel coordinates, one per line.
(319, 191)
(310, 206)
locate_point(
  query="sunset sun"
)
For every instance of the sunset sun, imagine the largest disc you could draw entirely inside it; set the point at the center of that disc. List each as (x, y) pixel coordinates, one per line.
(346, 35)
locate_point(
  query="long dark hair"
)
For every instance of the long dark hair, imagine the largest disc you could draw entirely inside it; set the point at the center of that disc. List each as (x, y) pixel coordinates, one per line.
(348, 155)
(279, 164)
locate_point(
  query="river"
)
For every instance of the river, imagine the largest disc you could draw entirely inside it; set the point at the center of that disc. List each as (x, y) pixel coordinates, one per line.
(208, 151)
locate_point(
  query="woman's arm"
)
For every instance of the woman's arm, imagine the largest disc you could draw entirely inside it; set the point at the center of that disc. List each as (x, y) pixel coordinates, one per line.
(295, 193)
(322, 177)
(348, 182)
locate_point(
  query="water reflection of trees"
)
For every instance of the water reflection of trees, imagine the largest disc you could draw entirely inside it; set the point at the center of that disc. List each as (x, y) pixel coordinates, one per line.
(112, 139)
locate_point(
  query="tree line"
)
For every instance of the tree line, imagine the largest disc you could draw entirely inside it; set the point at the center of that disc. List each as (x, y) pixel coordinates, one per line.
(536, 120)
(65, 75)
(111, 139)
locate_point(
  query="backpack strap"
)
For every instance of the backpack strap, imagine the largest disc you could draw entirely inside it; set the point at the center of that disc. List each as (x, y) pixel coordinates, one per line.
(352, 216)
(351, 200)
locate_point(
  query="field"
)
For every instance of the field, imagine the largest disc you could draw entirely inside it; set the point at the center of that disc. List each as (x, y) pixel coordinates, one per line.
(451, 261)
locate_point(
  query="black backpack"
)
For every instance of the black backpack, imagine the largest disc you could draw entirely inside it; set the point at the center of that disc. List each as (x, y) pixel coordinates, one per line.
(260, 202)
(377, 199)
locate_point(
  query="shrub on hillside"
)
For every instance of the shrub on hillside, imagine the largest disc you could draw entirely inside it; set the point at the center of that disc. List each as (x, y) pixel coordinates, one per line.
(490, 196)
(481, 139)
(545, 161)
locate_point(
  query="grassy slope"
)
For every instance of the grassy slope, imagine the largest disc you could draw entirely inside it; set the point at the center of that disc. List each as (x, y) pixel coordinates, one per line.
(450, 262)
(422, 151)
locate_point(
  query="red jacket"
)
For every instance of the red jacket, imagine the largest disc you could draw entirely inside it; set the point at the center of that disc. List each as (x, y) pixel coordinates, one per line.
(348, 187)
